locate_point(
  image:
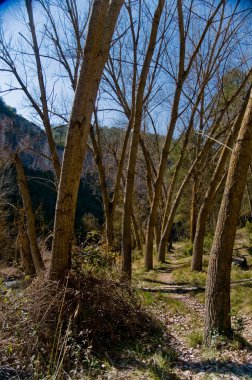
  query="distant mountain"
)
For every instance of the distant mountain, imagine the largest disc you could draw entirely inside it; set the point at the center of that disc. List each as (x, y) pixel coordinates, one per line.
(17, 133)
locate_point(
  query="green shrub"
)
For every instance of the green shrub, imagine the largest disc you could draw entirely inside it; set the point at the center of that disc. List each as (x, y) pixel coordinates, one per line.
(249, 227)
(195, 339)
(89, 222)
(208, 241)
(188, 249)
(94, 258)
(93, 237)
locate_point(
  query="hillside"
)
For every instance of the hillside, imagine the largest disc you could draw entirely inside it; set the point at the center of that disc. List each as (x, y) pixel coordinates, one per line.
(17, 133)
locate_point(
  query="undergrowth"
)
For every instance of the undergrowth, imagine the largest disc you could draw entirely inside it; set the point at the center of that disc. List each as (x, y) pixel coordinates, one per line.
(56, 328)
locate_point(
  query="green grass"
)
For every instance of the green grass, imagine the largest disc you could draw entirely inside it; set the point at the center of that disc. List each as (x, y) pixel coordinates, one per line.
(149, 298)
(175, 306)
(241, 297)
(184, 274)
(151, 357)
(195, 339)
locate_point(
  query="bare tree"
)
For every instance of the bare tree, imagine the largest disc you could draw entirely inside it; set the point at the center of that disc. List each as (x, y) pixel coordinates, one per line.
(30, 218)
(182, 75)
(100, 31)
(137, 117)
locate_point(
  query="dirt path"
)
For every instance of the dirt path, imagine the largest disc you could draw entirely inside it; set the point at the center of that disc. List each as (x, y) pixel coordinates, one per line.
(220, 362)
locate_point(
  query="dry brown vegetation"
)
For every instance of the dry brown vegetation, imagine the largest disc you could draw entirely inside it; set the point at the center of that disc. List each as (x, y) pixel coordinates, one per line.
(52, 327)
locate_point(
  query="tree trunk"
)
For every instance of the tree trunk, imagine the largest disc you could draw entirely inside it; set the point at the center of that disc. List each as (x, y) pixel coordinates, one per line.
(217, 312)
(157, 234)
(182, 75)
(207, 146)
(249, 199)
(137, 114)
(43, 96)
(194, 209)
(136, 232)
(30, 218)
(23, 245)
(107, 204)
(158, 186)
(101, 28)
(210, 194)
(109, 223)
(168, 228)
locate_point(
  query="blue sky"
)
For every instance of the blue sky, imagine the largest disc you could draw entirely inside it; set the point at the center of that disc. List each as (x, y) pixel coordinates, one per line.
(8, 10)
(6, 5)
(7, 16)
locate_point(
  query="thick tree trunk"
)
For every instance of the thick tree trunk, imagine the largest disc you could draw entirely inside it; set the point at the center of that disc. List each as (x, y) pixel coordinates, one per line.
(30, 218)
(101, 28)
(137, 114)
(210, 194)
(217, 312)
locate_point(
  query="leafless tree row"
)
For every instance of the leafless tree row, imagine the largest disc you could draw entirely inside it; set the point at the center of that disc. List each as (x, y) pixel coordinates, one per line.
(175, 77)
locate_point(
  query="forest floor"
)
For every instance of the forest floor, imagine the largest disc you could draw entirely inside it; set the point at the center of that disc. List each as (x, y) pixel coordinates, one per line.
(176, 297)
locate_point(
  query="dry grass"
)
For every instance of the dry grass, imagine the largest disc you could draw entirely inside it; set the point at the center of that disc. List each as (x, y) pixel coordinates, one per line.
(53, 327)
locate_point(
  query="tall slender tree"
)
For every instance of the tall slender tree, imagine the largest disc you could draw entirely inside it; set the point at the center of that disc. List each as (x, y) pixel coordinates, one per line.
(137, 117)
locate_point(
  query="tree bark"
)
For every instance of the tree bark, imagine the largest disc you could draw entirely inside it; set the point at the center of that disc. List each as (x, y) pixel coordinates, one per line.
(23, 247)
(30, 218)
(136, 232)
(101, 28)
(217, 311)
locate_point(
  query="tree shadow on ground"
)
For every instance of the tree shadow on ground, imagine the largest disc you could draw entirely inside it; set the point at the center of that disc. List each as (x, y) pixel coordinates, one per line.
(221, 367)
(164, 282)
(215, 366)
(152, 355)
(175, 289)
(165, 269)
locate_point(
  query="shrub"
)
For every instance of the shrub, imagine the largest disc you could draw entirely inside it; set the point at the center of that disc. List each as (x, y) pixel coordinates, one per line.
(249, 227)
(188, 249)
(208, 241)
(93, 258)
(58, 327)
(89, 223)
(195, 339)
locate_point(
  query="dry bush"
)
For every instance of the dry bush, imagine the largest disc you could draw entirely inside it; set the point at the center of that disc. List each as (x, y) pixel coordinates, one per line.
(54, 326)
